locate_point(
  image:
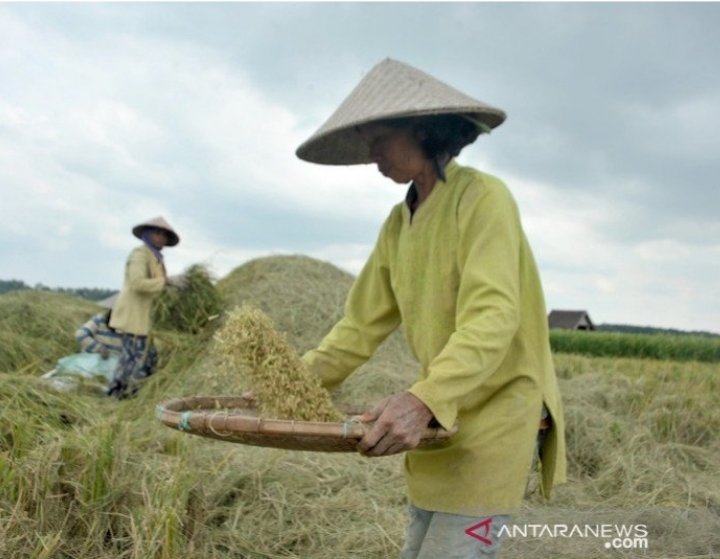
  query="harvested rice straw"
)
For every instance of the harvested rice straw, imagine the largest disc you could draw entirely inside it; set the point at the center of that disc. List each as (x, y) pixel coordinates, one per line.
(284, 388)
(188, 308)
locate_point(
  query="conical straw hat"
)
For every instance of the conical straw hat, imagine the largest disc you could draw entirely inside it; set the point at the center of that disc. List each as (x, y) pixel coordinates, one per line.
(109, 302)
(390, 90)
(160, 223)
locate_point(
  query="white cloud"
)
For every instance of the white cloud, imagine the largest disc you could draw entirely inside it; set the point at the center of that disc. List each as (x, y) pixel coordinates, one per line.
(117, 139)
(662, 282)
(102, 128)
(684, 128)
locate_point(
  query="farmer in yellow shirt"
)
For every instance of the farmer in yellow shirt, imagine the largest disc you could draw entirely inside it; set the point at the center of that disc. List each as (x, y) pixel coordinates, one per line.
(145, 278)
(453, 266)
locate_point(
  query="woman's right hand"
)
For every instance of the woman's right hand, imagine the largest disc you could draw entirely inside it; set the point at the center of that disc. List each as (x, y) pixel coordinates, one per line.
(399, 422)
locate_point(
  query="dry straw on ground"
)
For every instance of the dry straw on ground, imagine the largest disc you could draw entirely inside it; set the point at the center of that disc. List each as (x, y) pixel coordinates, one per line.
(643, 447)
(37, 327)
(284, 387)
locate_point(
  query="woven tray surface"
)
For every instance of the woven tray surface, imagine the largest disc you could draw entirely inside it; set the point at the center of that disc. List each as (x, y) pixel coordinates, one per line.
(235, 419)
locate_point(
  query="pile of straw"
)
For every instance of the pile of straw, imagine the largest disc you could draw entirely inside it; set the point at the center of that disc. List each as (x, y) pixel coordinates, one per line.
(283, 386)
(37, 328)
(304, 298)
(188, 308)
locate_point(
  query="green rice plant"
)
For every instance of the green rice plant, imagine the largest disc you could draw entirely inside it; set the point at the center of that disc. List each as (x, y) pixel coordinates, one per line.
(97, 487)
(643, 346)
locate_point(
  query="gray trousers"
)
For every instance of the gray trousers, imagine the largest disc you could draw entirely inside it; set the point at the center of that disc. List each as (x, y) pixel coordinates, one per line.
(438, 535)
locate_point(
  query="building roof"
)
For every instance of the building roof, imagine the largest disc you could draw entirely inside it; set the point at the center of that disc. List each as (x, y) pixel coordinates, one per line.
(570, 320)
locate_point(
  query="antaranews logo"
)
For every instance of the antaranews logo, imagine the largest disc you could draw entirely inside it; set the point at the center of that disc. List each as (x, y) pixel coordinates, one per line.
(613, 536)
(481, 531)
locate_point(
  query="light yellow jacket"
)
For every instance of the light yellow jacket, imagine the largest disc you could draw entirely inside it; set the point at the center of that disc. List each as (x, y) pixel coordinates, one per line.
(144, 280)
(462, 279)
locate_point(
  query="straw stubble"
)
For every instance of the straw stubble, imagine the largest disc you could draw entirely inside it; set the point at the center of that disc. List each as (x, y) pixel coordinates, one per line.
(284, 388)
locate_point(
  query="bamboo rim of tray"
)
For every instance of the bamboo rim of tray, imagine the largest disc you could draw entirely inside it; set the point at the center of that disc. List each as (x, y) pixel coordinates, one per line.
(234, 419)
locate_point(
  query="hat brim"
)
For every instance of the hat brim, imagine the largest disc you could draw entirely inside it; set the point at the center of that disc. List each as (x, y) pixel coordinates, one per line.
(173, 238)
(345, 146)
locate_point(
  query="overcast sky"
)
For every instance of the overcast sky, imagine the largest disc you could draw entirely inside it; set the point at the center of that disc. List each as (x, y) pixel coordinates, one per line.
(114, 113)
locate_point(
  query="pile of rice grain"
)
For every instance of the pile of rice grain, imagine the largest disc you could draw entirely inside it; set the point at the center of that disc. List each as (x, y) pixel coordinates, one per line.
(284, 388)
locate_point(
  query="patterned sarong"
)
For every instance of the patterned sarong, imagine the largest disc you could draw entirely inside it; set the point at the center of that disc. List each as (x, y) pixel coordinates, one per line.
(137, 362)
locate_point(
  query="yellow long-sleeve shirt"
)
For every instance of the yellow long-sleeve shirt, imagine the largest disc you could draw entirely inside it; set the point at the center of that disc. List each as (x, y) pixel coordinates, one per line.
(144, 281)
(460, 276)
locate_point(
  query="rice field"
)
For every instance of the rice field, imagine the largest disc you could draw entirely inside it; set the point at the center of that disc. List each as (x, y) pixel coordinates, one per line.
(83, 477)
(642, 346)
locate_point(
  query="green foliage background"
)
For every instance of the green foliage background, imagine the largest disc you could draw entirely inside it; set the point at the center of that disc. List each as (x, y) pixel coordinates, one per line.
(642, 346)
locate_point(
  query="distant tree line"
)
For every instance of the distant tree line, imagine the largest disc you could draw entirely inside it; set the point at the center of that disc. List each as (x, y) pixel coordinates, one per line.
(12, 285)
(91, 293)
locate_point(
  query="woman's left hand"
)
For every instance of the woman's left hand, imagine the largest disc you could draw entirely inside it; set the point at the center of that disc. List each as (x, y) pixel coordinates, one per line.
(399, 423)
